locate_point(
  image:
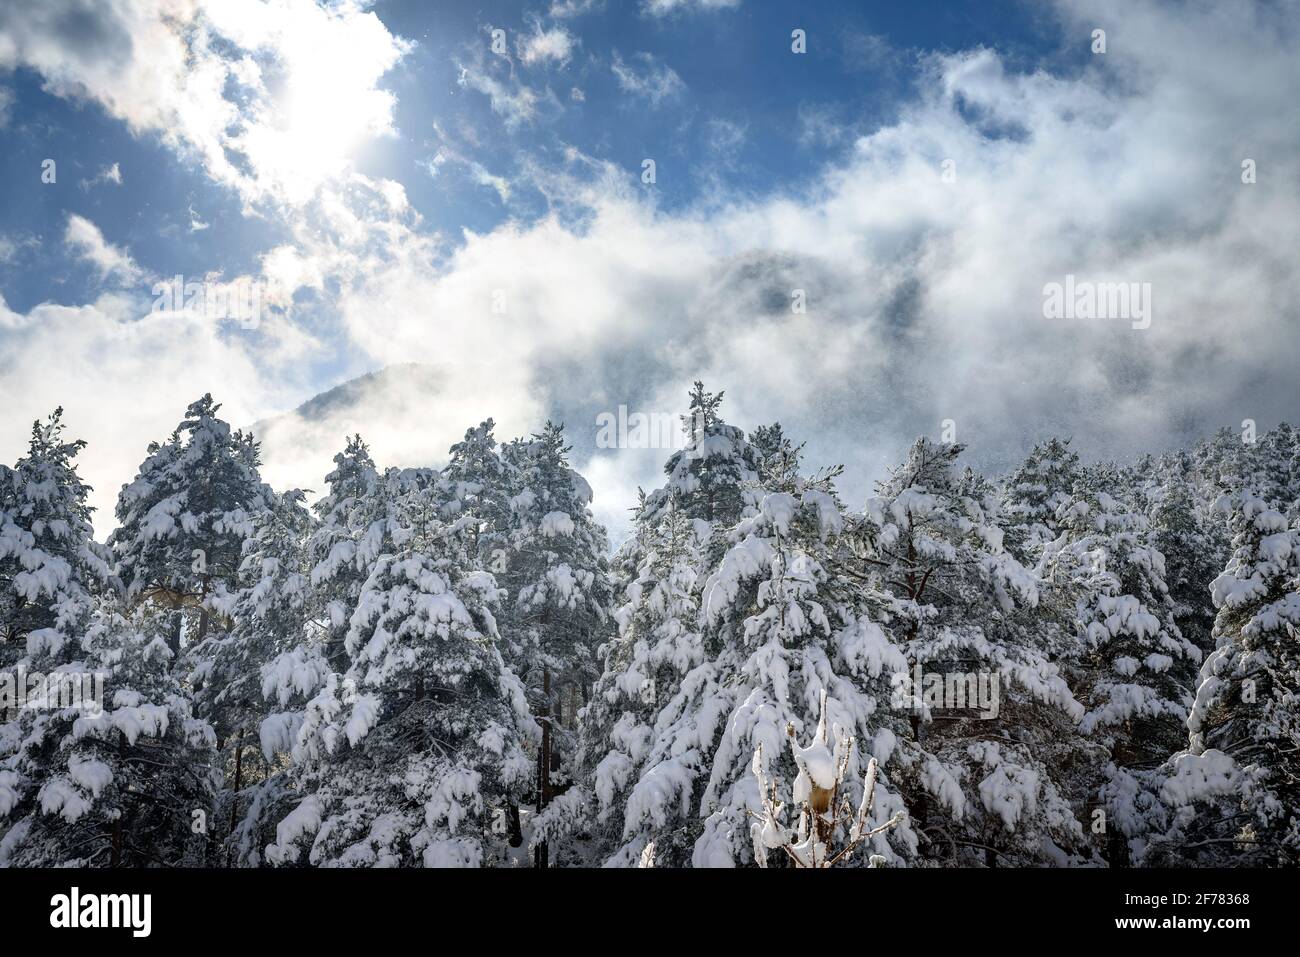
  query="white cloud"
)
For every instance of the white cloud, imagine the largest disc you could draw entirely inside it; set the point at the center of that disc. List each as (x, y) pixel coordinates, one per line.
(663, 8)
(11, 246)
(555, 45)
(924, 297)
(819, 125)
(109, 174)
(451, 152)
(563, 9)
(478, 173)
(87, 242)
(124, 377)
(870, 52)
(6, 105)
(653, 81)
(272, 98)
(515, 102)
(724, 137)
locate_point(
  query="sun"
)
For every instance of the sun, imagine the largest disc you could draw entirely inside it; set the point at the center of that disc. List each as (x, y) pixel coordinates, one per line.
(315, 103)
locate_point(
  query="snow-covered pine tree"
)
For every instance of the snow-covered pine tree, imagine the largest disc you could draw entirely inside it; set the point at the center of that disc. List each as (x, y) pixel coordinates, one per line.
(787, 630)
(1274, 476)
(477, 477)
(712, 481)
(712, 477)
(637, 718)
(348, 537)
(1233, 796)
(556, 575)
(50, 564)
(128, 783)
(1137, 670)
(1224, 468)
(1220, 458)
(13, 641)
(1194, 552)
(357, 521)
(1127, 485)
(1133, 670)
(1033, 492)
(184, 519)
(650, 727)
(991, 772)
(272, 650)
(413, 755)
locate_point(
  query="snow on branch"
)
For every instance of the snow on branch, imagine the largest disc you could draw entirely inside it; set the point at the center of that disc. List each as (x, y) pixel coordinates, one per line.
(823, 814)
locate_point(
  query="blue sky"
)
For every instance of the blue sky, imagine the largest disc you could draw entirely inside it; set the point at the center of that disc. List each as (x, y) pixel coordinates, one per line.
(380, 172)
(737, 118)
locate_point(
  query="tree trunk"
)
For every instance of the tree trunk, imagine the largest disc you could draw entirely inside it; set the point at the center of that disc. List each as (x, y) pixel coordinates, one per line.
(115, 859)
(512, 821)
(541, 855)
(174, 637)
(234, 797)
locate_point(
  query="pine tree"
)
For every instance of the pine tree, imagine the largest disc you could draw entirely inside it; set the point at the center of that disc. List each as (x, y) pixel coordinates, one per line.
(1274, 477)
(272, 651)
(648, 732)
(712, 481)
(50, 565)
(74, 784)
(349, 535)
(994, 722)
(637, 718)
(788, 630)
(1138, 669)
(1232, 795)
(184, 520)
(478, 478)
(556, 575)
(1034, 492)
(711, 477)
(414, 754)
(1192, 550)
(126, 780)
(1223, 463)
(1133, 669)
